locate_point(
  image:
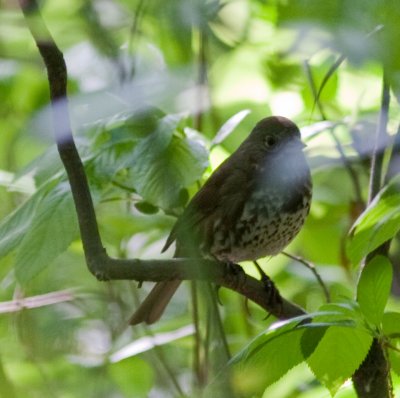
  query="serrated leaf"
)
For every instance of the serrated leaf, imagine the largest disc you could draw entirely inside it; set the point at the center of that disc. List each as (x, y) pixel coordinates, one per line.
(272, 354)
(272, 362)
(374, 288)
(338, 355)
(163, 165)
(227, 128)
(52, 230)
(377, 224)
(267, 358)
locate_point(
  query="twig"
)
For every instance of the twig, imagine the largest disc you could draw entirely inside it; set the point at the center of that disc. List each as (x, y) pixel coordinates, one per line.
(313, 269)
(380, 137)
(317, 93)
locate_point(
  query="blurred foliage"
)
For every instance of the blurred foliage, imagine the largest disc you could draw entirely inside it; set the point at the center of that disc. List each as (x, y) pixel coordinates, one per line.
(158, 98)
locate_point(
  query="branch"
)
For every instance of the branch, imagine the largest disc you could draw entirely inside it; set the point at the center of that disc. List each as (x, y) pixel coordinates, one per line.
(317, 102)
(57, 76)
(98, 262)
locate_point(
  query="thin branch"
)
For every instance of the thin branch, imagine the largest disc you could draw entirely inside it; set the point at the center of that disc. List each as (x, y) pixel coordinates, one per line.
(317, 94)
(314, 270)
(41, 300)
(221, 274)
(380, 138)
(57, 76)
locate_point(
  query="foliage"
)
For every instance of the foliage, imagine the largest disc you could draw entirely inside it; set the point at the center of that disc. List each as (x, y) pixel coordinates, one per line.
(160, 94)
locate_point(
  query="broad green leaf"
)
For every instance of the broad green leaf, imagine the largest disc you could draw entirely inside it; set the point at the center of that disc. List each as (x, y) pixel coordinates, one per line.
(52, 229)
(273, 353)
(374, 288)
(164, 164)
(378, 223)
(14, 227)
(269, 364)
(338, 355)
(267, 358)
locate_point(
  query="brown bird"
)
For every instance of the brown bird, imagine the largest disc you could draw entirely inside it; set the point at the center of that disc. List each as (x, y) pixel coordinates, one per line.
(252, 206)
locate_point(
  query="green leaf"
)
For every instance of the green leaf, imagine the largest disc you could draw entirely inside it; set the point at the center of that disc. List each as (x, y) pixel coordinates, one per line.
(272, 354)
(394, 355)
(52, 229)
(14, 227)
(146, 207)
(391, 330)
(377, 224)
(164, 164)
(229, 126)
(374, 288)
(338, 355)
(267, 358)
(391, 323)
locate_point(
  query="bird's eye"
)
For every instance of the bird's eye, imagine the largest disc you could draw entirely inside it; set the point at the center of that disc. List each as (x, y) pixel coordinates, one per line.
(270, 142)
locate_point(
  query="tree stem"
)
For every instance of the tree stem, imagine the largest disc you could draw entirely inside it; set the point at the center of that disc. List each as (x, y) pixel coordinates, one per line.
(372, 379)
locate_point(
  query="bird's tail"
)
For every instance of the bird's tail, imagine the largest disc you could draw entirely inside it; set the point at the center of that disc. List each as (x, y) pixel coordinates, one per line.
(155, 303)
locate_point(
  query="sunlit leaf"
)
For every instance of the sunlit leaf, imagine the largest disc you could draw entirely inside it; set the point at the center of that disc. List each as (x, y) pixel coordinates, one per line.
(273, 353)
(338, 355)
(374, 288)
(268, 357)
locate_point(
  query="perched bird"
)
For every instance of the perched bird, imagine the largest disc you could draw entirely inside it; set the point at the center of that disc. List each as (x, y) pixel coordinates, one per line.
(252, 206)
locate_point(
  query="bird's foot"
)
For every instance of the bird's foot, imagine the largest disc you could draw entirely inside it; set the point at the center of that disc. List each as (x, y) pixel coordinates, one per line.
(274, 298)
(235, 273)
(234, 268)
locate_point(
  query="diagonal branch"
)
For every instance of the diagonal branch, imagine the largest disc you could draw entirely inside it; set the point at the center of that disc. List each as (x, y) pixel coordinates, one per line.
(98, 262)
(57, 77)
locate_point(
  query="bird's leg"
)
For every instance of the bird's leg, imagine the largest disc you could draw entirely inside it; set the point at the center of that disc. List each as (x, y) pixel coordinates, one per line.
(232, 269)
(274, 297)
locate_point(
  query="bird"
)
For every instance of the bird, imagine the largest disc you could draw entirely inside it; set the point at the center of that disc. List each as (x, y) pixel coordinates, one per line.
(252, 206)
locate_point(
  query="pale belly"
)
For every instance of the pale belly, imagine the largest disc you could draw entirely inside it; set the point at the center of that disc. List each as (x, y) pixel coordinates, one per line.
(257, 237)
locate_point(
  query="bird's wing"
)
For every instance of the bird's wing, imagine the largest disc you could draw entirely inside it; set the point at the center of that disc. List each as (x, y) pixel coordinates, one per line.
(221, 197)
